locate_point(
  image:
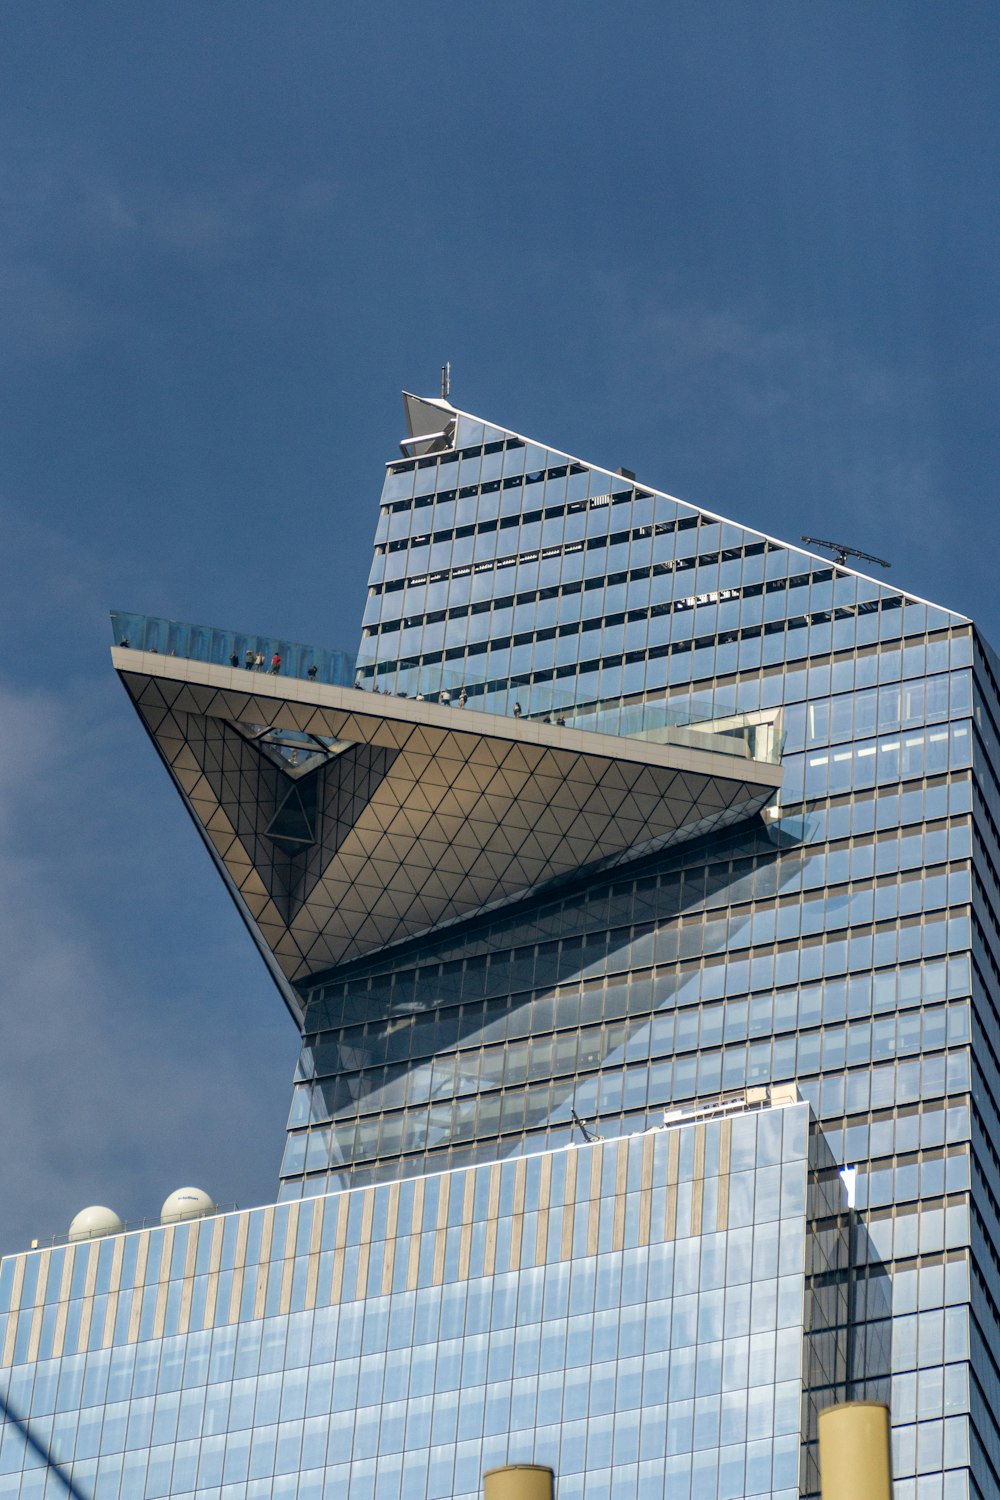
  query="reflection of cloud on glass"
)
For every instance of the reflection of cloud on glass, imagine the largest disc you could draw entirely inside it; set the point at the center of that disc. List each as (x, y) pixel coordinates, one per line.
(849, 1177)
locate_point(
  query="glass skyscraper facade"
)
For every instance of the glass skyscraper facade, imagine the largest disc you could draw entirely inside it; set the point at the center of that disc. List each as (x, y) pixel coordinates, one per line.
(668, 1309)
(629, 810)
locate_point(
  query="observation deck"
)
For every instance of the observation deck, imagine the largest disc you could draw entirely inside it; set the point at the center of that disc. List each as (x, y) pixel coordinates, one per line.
(344, 820)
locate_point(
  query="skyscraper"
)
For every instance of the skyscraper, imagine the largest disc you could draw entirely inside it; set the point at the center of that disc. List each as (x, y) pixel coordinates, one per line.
(628, 824)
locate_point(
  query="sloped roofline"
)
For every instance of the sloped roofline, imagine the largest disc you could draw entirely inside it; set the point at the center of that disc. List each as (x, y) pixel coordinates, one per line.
(695, 509)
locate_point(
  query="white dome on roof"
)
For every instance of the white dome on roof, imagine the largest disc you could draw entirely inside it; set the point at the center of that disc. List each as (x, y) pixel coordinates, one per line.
(186, 1203)
(91, 1223)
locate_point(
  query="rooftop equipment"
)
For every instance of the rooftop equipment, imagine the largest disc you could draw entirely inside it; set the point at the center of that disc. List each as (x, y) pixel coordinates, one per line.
(94, 1222)
(842, 551)
(186, 1203)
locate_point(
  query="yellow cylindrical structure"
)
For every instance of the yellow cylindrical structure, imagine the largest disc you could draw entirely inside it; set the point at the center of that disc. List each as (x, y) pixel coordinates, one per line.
(854, 1451)
(518, 1482)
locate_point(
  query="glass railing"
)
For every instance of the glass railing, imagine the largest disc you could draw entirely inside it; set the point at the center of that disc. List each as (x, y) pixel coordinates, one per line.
(695, 723)
(232, 648)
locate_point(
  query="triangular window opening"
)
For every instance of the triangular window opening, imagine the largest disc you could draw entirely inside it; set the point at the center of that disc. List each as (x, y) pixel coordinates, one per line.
(293, 827)
(294, 751)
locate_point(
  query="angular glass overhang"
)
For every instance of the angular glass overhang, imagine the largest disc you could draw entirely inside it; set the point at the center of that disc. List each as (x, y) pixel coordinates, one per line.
(345, 821)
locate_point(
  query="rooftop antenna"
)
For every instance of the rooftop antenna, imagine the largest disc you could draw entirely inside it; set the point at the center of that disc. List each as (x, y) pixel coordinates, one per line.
(842, 551)
(446, 380)
(588, 1135)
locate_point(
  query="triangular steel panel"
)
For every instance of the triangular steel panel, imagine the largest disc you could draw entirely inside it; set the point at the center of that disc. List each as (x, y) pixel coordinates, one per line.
(458, 811)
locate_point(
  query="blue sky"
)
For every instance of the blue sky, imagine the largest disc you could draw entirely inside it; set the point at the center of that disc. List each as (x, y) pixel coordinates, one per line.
(748, 250)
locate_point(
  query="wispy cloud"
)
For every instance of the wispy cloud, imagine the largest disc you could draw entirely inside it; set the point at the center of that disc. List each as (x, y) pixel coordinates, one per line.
(114, 1082)
(68, 234)
(761, 368)
(42, 316)
(790, 406)
(87, 208)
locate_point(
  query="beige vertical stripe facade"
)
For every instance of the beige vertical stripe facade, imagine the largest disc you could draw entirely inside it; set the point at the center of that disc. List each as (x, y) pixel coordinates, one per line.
(34, 1337)
(569, 1205)
(391, 1230)
(465, 1240)
(65, 1287)
(288, 1252)
(594, 1197)
(673, 1171)
(92, 1251)
(239, 1262)
(315, 1245)
(365, 1248)
(187, 1287)
(117, 1257)
(17, 1286)
(339, 1241)
(517, 1215)
(413, 1263)
(441, 1231)
(260, 1291)
(646, 1186)
(544, 1199)
(537, 1230)
(492, 1214)
(166, 1253)
(621, 1181)
(725, 1151)
(141, 1257)
(698, 1180)
(214, 1262)
(111, 1315)
(36, 1318)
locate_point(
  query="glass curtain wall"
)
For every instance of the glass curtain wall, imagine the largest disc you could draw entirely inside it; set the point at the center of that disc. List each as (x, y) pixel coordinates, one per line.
(847, 941)
(655, 1316)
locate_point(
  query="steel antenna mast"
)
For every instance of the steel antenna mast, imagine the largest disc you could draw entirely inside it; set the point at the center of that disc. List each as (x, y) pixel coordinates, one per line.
(842, 551)
(589, 1135)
